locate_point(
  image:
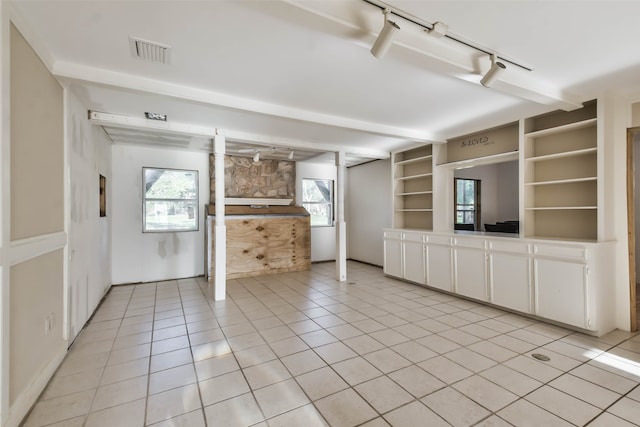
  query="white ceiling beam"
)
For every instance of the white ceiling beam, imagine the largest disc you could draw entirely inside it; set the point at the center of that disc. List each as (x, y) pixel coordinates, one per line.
(66, 70)
(238, 136)
(361, 22)
(130, 122)
(139, 123)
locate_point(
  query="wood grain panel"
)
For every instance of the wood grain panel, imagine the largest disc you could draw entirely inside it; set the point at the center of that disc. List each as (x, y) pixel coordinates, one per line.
(267, 245)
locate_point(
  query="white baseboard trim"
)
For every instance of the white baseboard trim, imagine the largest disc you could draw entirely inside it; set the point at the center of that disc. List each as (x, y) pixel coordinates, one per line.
(28, 397)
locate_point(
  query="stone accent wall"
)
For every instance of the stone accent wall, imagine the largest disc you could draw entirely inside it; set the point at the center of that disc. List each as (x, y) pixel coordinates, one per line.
(274, 179)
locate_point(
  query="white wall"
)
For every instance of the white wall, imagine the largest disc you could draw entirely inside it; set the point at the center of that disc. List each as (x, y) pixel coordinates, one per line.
(508, 192)
(616, 114)
(89, 234)
(323, 239)
(145, 257)
(368, 198)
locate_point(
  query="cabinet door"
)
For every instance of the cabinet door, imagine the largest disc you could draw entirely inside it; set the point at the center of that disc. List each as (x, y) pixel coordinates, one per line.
(414, 262)
(561, 291)
(439, 267)
(471, 273)
(509, 279)
(393, 257)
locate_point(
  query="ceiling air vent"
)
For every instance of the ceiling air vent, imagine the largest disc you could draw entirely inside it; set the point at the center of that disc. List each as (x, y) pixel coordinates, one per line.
(150, 51)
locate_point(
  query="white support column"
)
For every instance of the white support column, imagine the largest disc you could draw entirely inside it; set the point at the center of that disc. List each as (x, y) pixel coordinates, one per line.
(341, 226)
(220, 229)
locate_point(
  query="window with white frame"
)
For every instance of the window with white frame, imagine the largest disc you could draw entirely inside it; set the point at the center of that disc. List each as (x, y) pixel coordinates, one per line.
(170, 201)
(467, 202)
(317, 199)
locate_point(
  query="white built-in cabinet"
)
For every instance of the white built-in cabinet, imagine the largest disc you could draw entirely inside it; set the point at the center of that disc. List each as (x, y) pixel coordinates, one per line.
(510, 274)
(565, 282)
(439, 262)
(559, 267)
(393, 259)
(470, 261)
(413, 251)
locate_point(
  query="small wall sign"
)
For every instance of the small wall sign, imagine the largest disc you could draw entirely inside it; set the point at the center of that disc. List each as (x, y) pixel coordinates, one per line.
(486, 143)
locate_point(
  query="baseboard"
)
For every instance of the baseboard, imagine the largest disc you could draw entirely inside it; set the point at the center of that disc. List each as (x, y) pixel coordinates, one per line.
(23, 404)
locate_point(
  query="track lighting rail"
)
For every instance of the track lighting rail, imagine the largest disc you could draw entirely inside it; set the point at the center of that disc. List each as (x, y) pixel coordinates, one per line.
(429, 27)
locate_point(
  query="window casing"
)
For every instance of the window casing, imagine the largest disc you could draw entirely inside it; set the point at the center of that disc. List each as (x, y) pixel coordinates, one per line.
(317, 199)
(467, 201)
(170, 200)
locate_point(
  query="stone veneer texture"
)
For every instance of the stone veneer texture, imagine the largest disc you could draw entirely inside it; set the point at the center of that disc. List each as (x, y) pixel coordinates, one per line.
(274, 179)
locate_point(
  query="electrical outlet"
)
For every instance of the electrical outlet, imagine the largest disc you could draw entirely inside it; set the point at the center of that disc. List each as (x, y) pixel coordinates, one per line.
(49, 323)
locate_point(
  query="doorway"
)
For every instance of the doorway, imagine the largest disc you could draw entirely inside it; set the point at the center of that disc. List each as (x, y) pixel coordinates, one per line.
(633, 221)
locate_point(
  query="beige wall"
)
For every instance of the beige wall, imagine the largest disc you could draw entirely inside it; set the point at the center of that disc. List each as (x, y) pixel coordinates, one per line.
(37, 209)
(37, 139)
(36, 292)
(635, 114)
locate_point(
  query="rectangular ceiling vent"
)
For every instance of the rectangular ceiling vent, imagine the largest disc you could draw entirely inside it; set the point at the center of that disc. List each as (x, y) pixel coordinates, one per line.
(150, 51)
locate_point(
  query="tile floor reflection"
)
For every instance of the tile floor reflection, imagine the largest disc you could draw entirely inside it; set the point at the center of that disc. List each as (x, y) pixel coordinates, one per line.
(300, 349)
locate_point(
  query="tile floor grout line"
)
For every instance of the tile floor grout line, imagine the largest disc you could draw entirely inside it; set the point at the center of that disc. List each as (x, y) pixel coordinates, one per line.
(521, 354)
(202, 406)
(293, 377)
(251, 390)
(104, 368)
(153, 323)
(310, 298)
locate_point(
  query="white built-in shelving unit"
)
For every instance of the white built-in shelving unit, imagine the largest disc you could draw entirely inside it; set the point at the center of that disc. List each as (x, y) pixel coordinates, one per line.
(561, 253)
(413, 188)
(561, 175)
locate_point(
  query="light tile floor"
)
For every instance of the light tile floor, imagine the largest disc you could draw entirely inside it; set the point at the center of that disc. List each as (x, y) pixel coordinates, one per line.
(300, 349)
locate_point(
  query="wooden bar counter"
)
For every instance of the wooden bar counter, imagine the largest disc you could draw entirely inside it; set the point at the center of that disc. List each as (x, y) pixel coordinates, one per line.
(263, 240)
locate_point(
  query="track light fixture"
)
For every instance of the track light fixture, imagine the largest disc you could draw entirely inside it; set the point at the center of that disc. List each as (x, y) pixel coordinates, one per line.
(438, 30)
(270, 151)
(494, 72)
(385, 38)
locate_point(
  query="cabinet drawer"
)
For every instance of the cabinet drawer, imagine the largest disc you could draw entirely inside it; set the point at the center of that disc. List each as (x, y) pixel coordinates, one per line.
(393, 235)
(510, 247)
(439, 240)
(469, 243)
(576, 253)
(414, 237)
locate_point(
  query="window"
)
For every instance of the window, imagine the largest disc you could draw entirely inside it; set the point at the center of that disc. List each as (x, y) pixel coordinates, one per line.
(170, 200)
(317, 198)
(467, 202)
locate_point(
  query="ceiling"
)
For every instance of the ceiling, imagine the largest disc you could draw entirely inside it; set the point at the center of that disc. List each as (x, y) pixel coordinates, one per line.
(298, 75)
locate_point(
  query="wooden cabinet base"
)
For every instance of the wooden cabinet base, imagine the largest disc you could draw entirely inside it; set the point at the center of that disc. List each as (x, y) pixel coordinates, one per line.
(258, 245)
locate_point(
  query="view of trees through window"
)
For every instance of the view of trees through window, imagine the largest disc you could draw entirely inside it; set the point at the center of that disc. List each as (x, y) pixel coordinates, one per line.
(467, 201)
(317, 199)
(170, 200)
